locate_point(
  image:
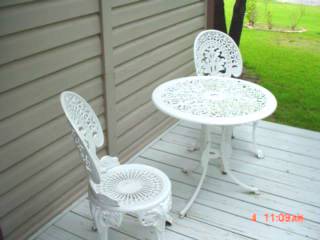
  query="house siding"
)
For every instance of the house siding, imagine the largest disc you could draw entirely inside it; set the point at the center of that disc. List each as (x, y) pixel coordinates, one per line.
(51, 46)
(152, 43)
(46, 47)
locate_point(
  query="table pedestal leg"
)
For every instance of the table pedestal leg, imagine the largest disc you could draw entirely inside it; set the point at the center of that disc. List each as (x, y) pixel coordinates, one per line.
(205, 150)
(258, 152)
(198, 145)
(226, 151)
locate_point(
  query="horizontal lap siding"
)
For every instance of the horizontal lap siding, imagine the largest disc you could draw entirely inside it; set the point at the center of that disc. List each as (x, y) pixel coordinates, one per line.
(152, 43)
(51, 46)
(46, 47)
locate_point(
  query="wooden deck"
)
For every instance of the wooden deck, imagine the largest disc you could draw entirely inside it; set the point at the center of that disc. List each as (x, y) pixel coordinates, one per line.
(289, 179)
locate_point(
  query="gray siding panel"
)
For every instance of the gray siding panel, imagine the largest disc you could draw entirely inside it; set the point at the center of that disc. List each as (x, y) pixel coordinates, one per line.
(47, 47)
(145, 9)
(36, 66)
(147, 60)
(27, 119)
(152, 43)
(51, 46)
(40, 39)
(35, 14)
(162, 68)
(155, 23)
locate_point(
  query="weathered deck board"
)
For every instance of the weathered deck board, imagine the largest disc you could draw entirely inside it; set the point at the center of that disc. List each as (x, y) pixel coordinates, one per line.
(289, 179)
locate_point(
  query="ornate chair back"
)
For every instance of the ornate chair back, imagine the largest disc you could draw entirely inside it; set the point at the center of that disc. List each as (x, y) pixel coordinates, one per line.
(215, 53)
(87, 135)
(80, 114)
(86, 131)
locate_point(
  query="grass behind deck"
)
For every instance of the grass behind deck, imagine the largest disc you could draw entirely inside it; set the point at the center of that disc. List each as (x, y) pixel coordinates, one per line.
(288, 64)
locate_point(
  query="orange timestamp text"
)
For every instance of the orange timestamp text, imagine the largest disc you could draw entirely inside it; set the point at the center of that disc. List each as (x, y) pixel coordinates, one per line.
(278, 217)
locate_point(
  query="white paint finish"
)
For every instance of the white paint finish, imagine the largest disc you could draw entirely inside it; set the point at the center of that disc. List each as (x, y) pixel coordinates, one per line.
(47, 47)
(266, 185)
(230, 199)
(81, 226)
(269, 149)
(222, 210)
(209, 94)
(245, 157)
(187, 227)
(283, 177)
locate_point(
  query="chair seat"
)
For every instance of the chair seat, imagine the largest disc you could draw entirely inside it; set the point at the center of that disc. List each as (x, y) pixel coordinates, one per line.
(134, 186)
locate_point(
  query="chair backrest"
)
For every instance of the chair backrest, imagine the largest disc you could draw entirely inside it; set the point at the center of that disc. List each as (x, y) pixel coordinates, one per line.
(215, 53)
(88, 135)
(86, 131)
(88, 154)
(81, 115)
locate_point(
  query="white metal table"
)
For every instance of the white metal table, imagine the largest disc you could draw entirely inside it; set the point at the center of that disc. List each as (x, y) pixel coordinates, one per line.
(215, 101)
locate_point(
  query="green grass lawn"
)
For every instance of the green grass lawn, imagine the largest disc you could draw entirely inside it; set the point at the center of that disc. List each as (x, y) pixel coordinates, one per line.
(288, 64)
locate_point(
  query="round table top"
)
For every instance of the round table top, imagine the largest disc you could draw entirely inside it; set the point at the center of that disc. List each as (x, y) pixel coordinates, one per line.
(214, 100)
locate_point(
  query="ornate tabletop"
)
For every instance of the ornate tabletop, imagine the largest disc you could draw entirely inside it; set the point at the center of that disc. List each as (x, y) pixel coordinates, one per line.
(213, 100)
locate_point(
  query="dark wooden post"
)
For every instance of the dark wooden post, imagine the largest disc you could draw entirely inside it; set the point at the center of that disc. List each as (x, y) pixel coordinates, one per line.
(239, 11)
(210, 14)
(215, 15)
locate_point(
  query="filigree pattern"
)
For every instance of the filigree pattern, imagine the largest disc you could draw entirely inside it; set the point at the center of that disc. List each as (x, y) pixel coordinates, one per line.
(156, 216)
(88, 154)
(214, 97)
(115, 189)
(106, 218)
(82, 117)
(215, 53)
(132, 185)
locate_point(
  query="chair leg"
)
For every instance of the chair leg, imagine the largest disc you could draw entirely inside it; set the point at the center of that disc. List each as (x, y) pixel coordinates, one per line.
(169, 220)
(103, 232)
(104, 219)
(94, 225)
(157, 217)
(160, 228)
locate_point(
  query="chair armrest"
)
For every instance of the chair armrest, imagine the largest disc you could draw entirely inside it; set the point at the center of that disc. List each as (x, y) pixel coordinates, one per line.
(108, 162)
(101, 200)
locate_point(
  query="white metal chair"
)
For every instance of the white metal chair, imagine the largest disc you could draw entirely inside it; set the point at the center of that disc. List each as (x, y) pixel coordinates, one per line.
(116, 189)
(215, 53)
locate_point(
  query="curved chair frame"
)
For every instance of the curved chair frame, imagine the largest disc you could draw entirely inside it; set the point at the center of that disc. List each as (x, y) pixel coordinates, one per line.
(215, 53)
(108, 179)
